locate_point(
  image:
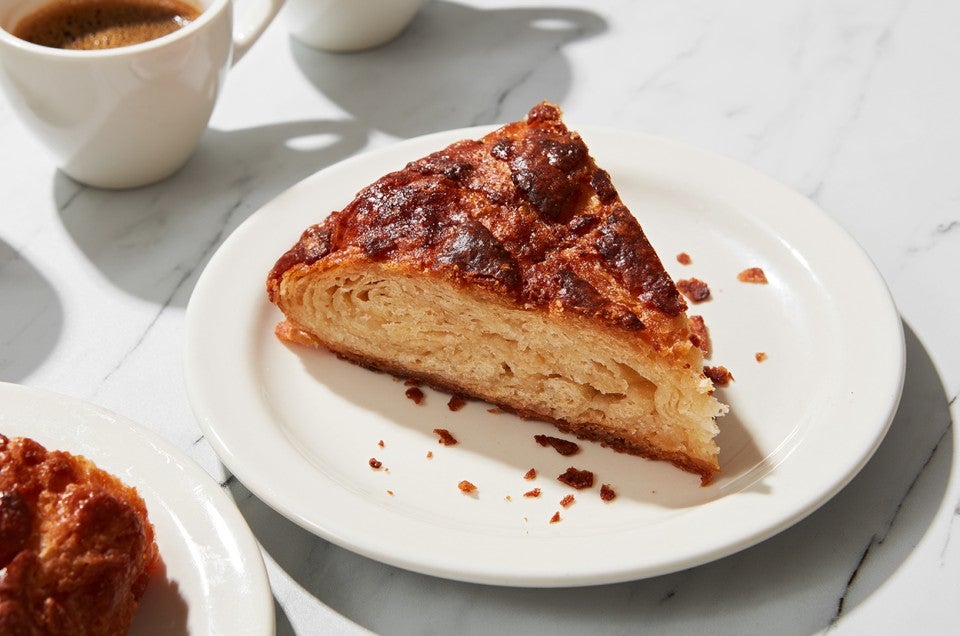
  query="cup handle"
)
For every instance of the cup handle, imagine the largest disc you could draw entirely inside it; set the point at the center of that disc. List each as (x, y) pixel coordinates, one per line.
(251, 24)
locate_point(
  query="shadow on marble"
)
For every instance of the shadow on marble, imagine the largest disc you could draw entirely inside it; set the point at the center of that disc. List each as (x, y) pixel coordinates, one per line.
(806, 577)
(283, 625)
(31, 316)
(454, 66)
(153, 242)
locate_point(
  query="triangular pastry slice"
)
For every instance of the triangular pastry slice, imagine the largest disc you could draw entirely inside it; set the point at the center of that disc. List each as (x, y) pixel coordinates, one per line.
(509, 270)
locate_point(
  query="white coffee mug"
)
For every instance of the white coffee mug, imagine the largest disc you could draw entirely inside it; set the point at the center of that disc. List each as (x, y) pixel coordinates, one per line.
(348, 25)
(127, 116)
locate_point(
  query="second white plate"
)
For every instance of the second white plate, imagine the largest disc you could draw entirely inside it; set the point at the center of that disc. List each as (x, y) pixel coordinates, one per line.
(298, 426)
(213, 579)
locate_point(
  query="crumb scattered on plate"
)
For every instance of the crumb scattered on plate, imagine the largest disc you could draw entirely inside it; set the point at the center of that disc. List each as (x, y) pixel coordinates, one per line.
(415, 394)
(466, 487)
(760, 356)
(445, 437)
(456, 402)
(375, 463)
(752, 275)
(556, 517)
(683, 258)
(562, 446)
(532, 493)
(530, 474)
(607, 493)
(567, 501)
(576, 478)
(694, 289)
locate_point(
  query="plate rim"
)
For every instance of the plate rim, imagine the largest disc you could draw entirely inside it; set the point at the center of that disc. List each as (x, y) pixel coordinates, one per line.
(259, 604)
(413, 148)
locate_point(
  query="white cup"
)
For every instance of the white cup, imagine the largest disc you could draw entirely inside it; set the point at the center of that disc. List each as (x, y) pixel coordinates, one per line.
(127, 116)
(348, 25)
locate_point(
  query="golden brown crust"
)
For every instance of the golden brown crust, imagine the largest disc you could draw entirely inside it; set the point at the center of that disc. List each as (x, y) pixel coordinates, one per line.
(524, 211)
(76, 547)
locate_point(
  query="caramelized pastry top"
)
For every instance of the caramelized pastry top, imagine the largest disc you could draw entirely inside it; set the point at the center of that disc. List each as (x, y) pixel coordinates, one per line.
(525, 212)
(76, 548)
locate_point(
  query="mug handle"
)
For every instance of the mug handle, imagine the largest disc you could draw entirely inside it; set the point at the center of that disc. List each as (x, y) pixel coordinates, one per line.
(251, 25)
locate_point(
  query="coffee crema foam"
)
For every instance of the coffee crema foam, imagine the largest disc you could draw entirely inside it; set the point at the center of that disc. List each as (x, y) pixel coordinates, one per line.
(104, 24)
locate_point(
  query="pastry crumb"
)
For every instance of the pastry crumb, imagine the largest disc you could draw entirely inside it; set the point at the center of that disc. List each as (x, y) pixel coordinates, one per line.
(694, 289)
(533, 494)
(415, 394)
(375, 463)
(576, 478)
(446, 439)
(530, 474)
(567, 501)
(683, 258)
(752, 275)
(562, 446)
(607, 493)
(466, 487)
(456, 402)
(556, 517)
(429, 454)
(380, 444)
(760, 356)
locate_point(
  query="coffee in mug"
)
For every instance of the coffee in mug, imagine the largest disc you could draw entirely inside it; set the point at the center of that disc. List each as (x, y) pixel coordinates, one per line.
(103, 24)
(125, 116)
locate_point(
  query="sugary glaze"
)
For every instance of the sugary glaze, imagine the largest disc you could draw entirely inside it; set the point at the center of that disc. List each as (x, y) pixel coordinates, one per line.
(76, 547)
(558, 237)
(522, 217)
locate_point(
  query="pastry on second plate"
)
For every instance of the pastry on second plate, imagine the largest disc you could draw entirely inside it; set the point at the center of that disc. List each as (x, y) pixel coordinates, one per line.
(76, 547)
(508, 269)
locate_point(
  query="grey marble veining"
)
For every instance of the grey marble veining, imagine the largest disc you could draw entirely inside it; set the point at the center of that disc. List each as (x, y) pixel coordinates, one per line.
(851, 103)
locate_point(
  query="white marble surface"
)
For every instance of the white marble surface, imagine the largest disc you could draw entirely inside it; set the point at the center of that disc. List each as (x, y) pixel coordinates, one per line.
(852, 103)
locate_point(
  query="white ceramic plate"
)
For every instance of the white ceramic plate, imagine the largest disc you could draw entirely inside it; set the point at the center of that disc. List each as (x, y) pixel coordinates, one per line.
(214, 580)
(298, 426)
